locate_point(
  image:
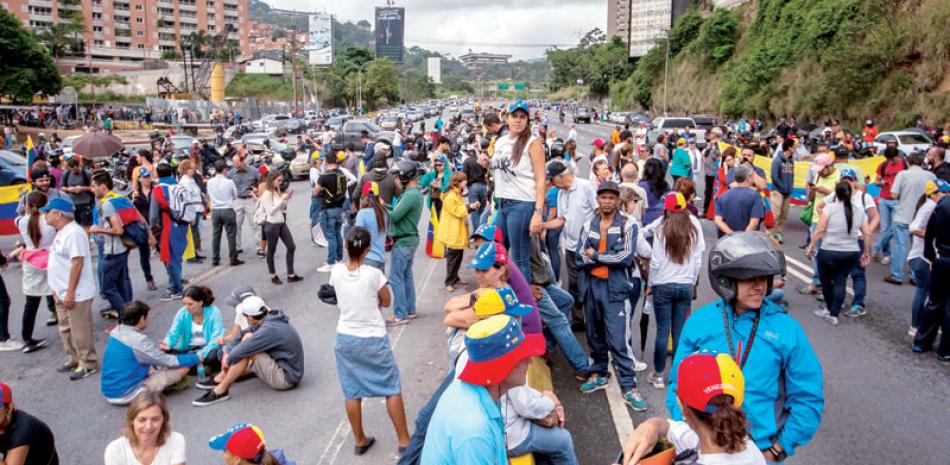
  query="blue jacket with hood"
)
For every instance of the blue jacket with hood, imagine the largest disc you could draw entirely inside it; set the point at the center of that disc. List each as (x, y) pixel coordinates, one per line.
(780, 354)
(621, 250)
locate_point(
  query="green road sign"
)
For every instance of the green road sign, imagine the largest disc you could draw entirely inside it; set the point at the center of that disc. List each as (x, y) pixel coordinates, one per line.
(503, 86)
(519, 86)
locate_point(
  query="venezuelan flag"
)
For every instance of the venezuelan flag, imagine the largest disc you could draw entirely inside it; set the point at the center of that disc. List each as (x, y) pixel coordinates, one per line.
(123, 206)
(434, 248)
(9, 198)
(30, 157)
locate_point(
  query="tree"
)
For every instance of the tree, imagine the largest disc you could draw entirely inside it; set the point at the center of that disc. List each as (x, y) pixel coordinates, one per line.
(27, 67)
(416, 86)
(60, 39)
(593, 37)
(80, 81)
(381, 83)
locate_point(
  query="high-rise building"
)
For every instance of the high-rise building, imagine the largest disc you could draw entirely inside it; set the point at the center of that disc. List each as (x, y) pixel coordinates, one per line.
(478, 60)
(126, 34)
(618, 19)
(651, 20)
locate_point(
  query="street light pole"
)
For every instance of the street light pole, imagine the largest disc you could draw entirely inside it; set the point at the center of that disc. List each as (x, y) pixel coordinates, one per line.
(666, 74)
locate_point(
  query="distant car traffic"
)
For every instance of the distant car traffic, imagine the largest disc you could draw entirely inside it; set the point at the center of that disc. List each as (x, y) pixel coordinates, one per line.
(582, 115)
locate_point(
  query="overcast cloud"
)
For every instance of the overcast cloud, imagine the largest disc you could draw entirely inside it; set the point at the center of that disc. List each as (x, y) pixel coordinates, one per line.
(455, 26)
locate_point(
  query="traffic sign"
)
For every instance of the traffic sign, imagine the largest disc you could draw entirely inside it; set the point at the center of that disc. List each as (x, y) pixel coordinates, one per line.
(503, 86)
(519, 86)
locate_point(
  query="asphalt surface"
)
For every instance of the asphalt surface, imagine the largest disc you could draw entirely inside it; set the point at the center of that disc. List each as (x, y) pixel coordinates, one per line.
(884, 404)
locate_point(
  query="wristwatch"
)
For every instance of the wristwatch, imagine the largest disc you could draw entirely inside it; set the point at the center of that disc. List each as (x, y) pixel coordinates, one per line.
(780, 456)
(539, 209)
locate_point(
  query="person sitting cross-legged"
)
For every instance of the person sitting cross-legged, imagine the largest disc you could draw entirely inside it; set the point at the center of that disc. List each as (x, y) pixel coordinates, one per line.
(133, 362)
(270, 342)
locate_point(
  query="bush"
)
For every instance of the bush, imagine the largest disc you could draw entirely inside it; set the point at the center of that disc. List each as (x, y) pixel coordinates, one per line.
(717, 37)
(261, 86)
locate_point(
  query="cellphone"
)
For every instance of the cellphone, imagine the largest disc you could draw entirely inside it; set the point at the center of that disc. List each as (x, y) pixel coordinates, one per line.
(619, 459)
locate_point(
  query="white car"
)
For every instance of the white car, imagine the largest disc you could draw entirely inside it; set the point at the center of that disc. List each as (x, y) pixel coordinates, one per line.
(907, 141)
(68, 146)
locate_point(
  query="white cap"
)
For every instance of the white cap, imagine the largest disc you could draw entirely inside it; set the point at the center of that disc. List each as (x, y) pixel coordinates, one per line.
(253, 306)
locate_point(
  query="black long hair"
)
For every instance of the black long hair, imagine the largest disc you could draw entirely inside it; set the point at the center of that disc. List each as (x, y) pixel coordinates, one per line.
(843, 194)
(655, 176)
(520, 143)
(357, 241)
(34, 202)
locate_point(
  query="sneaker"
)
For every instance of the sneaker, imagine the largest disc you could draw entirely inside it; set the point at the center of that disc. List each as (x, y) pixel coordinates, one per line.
(594, 383)
(824, 314)
(322, 243)
(210, 398)
(10, 345)
(397, 322)
(942, 358)
(82, 373)
(635, 400)
(656, 380)
(856, 311)
(892, 280)
(66, 368)
(181, 385)
(582, 375)
(111, 314)
(295, 278)
(215, 262)
(808, 290)
(207, 383)
(52, 321)
(886, 260)
(639, 366)
(170, 296)
(237, 262)
(34, 345)
(325, 268)
(276, 280)
(912, 331)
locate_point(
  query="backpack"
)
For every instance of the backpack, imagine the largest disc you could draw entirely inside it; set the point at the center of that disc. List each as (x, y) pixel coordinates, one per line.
(135, 235)
(178, 203)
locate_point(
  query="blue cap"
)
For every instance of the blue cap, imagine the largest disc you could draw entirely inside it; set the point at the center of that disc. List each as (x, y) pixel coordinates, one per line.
(486, 231)
(488, 255)
(144, 172)
(59, 204)
(518, 105)
(848, 173)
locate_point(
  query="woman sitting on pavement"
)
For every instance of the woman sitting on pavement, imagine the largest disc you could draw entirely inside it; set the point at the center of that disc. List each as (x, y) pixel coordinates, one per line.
(198, 325)
(364, 357)
(715, 431)
(244, 444)
(147, 437)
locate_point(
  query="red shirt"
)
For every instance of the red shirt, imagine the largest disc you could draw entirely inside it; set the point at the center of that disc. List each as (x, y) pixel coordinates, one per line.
(870, 133)
(887, 171)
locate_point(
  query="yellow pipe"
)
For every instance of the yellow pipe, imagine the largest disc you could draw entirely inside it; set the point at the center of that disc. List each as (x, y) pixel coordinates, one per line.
(217, 83)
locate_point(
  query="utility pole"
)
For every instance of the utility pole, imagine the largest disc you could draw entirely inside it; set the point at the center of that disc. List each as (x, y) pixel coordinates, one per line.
(666, 74)
(293, 66)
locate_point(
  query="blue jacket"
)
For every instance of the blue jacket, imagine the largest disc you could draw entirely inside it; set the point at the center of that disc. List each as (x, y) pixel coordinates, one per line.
(128, 356)
(621, 250)
(179, 334)
(780, 354)
(783, 174)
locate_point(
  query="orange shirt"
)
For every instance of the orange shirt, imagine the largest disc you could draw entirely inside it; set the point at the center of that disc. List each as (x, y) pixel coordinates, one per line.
(601, 272)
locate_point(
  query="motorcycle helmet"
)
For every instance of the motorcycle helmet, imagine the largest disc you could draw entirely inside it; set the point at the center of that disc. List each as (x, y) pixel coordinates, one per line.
(406, 170)
(741, 256)
(557, 148)
(869, 122)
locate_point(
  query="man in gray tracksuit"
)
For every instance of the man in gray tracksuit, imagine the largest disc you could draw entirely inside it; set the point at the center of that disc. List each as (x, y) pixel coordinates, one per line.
(270, 348)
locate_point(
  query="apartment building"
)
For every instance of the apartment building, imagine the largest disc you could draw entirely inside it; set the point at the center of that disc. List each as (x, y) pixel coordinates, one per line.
(618, 19)
(123, 35)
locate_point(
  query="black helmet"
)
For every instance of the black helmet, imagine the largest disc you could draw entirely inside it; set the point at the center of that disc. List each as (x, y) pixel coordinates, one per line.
(557, 148)
(406, 170)
(742, 256)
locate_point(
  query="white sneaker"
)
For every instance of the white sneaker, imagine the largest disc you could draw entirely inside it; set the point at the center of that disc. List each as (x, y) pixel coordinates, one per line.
(639, 366)
(824, 314)
(10, 345)
(656, 380)
(325, 268)
(912, 331)
(886, 261)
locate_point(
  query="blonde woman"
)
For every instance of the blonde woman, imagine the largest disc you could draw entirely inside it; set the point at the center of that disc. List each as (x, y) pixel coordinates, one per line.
(147, 437)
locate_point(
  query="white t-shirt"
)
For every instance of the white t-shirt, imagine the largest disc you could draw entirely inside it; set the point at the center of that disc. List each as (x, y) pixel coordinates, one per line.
(197, 335)
(858, 198)
(240, 319)
(920, 224)
(513, 182)
(684, 438)
(357, 296)
(71, 242)
(119, 452)
(47, 233)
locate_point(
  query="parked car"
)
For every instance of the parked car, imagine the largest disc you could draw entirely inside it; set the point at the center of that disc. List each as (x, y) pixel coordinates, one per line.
(706, 123)
(300, 165)
(12, 168)
(907, 141)
(582, 115)
(672, 124)
(390, 123)
(352, 132)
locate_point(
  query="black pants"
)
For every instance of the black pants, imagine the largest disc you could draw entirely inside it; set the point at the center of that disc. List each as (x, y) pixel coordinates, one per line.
(274, 232)
(833, 270)
(145, 255)
(708, 192)
(577, 311)
(453, 261)
(196, 234)
(4, 311)
(30, 308)
(226, 219)
(936, 313)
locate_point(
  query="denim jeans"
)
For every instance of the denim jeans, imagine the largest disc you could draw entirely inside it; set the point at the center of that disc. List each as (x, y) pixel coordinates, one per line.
(555, 444)
(514, 218)
(552, 241)
(330, 221)
(859, 276)
(776, 297)
(116, 284)
(921, 270)
(477, 192)
(899, 250)
(177, 242)
(314, 211)
(835, 267)
(671, 303)
(555, 318)
(887, 208)
(400, 278)
(815, 274)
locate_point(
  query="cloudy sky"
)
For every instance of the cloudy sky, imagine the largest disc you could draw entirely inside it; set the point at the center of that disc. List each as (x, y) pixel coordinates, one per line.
(455, 26)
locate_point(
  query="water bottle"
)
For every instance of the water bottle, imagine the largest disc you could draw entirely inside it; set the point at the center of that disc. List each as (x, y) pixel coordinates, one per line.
(648, 306)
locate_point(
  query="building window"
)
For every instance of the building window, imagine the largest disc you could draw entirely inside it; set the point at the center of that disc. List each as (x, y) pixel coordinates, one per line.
(97, 29)
(139, 20)
(140, 33)
(99, 43)
(96, 16)
(141, 46)
(138, 7)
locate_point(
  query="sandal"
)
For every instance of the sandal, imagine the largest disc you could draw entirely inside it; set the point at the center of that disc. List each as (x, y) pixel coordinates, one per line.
(397, 322)
(360, 450)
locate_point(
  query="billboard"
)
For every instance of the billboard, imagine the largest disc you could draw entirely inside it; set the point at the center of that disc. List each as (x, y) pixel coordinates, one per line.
(649, 20)
(390, 32)
(320, 40)
(435, 69)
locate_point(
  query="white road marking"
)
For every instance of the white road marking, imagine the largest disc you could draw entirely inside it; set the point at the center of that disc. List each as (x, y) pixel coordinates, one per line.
(623, 423)
(343, 428)
(807, 269)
